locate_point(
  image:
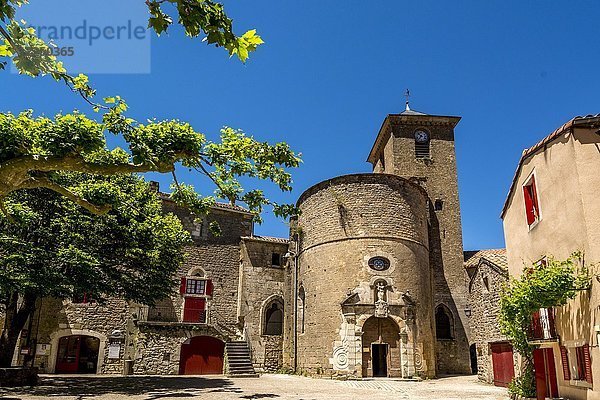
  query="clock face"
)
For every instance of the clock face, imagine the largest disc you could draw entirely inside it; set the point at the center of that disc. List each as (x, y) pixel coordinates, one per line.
(421, 137)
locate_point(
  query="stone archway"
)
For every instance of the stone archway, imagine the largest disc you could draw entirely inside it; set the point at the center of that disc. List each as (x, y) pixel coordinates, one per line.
(381, 348)
(84, 333)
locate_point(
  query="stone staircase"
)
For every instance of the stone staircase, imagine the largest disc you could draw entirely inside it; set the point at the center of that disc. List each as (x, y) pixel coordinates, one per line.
(239, 363)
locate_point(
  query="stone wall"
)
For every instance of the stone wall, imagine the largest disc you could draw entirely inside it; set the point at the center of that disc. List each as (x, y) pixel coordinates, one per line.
(345, 222)
(485, 304)
(63, 318)
(261, 282)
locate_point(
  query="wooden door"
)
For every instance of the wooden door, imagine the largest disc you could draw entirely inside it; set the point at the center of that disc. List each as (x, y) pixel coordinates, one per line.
(203, 355)
(67, 359)
(545, 373)
(194, 310)
(502, 363)
(379, 354)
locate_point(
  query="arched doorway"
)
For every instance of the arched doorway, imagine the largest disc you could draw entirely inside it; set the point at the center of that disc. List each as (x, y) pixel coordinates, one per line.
(77, 354)
(202, 355)
(381, 351)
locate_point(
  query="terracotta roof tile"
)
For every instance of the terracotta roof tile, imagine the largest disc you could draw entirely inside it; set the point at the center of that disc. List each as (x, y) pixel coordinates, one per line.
(224, 206)
(271, 239)
(495, 256)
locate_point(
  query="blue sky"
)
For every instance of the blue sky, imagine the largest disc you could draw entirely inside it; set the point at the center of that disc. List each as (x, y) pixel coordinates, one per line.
(331, 71)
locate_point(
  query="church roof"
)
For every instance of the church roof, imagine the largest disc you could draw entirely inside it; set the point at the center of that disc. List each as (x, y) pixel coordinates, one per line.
(583, 121)
(407, 115)
(408, 111)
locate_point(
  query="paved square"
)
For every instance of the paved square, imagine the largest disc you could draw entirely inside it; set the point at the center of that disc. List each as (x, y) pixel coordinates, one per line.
(279, 387)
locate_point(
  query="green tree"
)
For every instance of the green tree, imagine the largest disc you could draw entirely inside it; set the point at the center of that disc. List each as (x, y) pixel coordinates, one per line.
(540, 286)
(53, 247)
(34, 149)
(29, 158)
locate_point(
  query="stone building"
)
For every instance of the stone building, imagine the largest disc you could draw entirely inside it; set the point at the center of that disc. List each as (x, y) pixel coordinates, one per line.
(493, 352)
(552, 209)
(371, 282)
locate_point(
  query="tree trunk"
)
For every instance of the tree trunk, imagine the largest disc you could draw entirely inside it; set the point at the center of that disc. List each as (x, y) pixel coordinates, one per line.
(16, 317)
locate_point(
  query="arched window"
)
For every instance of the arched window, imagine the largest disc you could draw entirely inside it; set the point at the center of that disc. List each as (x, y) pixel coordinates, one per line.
(274, 319)
(444, 324)
(301, 306)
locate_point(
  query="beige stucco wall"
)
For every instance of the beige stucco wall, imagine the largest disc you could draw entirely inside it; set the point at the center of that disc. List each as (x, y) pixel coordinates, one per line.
(568, 184)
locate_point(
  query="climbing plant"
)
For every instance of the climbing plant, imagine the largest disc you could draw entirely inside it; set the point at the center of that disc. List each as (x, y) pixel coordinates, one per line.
(542, 285)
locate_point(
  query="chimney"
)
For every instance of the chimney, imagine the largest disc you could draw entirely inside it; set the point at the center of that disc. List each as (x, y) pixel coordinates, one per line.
(154, 186)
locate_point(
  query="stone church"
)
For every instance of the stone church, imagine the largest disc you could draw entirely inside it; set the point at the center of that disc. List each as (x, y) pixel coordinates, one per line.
(370, 283)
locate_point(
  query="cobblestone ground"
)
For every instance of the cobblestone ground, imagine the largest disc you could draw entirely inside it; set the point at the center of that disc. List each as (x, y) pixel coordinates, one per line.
(280, 387)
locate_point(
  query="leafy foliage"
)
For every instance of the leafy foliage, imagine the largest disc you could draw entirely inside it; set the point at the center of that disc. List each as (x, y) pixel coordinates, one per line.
(52, 247)
(540, 286)
(33, 149)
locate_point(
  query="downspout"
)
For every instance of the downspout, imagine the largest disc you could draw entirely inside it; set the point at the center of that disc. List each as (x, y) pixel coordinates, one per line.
(296, 307)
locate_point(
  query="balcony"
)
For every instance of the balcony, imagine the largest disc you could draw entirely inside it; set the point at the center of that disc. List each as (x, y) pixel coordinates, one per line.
(172, 316)
(542, 326)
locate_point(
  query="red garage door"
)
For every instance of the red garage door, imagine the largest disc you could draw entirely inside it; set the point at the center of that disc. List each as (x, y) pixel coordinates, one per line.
(203, 355)
(503, 363)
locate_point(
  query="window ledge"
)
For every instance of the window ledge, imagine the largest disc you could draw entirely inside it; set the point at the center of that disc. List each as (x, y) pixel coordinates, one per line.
(580, 384)
(534, 224)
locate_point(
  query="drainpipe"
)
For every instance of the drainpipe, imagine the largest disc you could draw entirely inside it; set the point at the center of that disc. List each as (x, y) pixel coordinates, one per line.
(294, 255)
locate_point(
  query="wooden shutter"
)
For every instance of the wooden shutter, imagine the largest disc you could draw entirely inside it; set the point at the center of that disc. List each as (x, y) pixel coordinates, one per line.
(588, 363)
(182, 286)
(535, 208)
(565, 363)
(209, 287)
(528, 205)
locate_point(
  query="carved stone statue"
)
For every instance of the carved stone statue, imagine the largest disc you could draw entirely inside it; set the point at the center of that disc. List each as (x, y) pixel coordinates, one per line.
(381, 305)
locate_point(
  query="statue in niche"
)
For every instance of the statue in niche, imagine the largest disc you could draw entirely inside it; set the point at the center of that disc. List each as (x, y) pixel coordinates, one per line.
(381, 305)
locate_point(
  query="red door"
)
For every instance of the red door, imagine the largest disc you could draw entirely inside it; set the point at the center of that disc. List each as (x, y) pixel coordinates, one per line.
(203, 355)
(503, 363)
(194, 310)
(545, 373)
(67, 359)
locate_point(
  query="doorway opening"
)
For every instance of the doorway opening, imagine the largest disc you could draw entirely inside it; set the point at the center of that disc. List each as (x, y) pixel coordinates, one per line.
(379, 354)
(77, 354)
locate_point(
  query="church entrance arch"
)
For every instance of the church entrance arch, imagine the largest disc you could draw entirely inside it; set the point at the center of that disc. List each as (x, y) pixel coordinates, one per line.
(381, 348)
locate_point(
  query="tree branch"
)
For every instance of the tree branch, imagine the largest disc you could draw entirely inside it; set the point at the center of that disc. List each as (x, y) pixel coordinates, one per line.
(46, 183)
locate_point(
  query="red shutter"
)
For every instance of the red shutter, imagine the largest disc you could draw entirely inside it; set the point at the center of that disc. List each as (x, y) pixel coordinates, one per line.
(209, 287)
(565, 363)
(588, 364)
(534, 199)
(528, 205)
(182, 286)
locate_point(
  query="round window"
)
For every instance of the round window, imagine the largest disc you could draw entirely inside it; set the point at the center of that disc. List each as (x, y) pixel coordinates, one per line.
(379, 263)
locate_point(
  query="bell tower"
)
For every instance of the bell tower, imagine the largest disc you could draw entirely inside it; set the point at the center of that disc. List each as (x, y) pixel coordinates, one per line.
(420, 147)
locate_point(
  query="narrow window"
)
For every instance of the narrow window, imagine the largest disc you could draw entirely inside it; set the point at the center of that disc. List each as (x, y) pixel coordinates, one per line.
(443, 323)
(276, 259)
(438, 205)
(486, 283)
(274, 319)
(301, 307)
(422, 143)
(532, 208)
